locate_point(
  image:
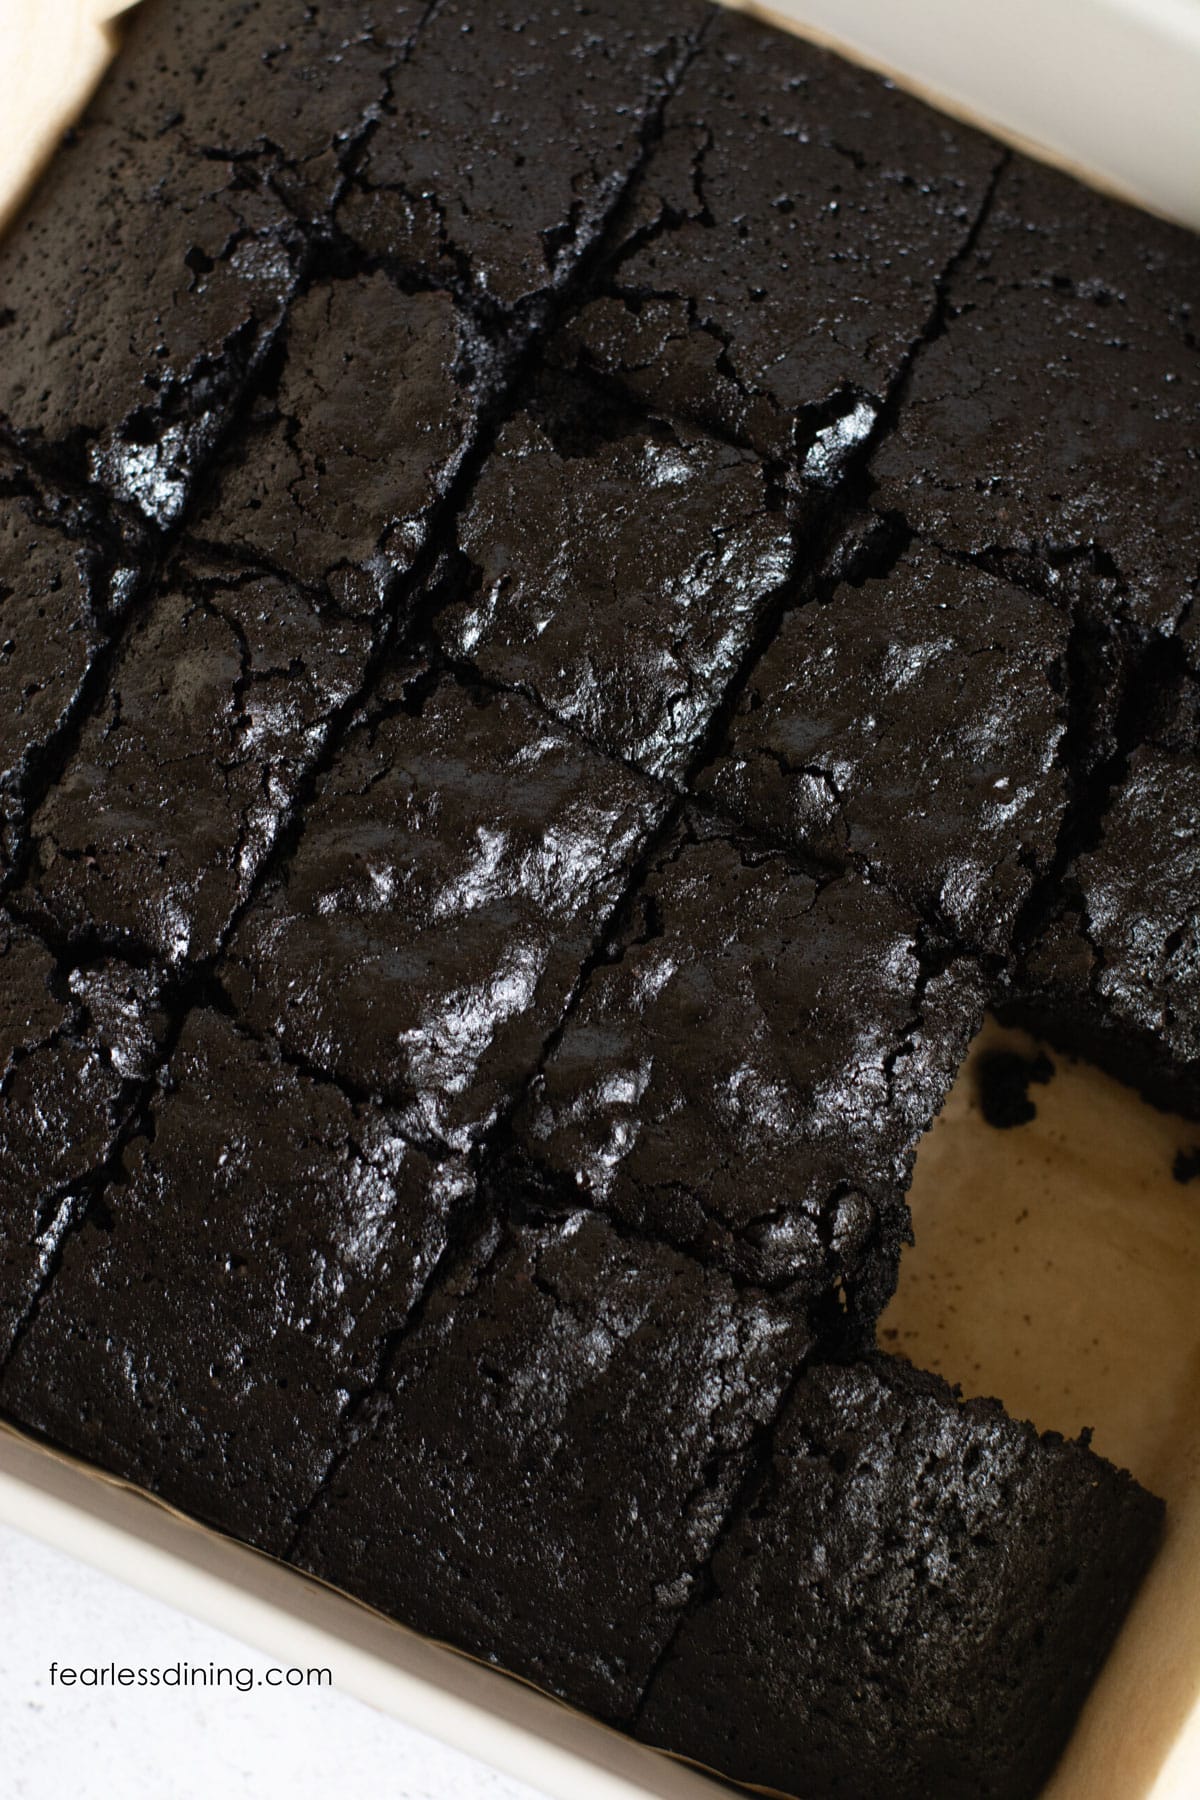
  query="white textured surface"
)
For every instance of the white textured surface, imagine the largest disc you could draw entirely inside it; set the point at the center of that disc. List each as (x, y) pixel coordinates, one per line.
(142, 1744)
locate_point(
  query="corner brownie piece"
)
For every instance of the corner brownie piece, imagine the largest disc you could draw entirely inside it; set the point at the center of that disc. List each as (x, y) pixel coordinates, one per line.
(263, 628)
(185, 196)
(509, 134)
(75, 1047)
(454, 870)
(65, 579)
(619, 570)
(748, 1071)
(911, 727)
(290, 1231)
(785, 245)
(1115, 974)
(1053, 423)
(914, 1602)
(561, 1438)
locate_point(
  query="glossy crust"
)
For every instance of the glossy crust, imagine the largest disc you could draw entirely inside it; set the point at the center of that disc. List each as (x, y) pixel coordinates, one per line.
(912, 727)
(749, 1070)
(914, 1601)
(564, 1434)
(290, 1231)
(455, 870)
(619, 569)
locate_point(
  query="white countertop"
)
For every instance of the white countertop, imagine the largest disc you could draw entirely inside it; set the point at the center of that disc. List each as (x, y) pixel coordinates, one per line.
(135, 1743)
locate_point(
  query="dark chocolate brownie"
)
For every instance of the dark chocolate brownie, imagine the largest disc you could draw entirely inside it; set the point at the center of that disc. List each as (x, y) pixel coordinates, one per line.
(183, 194)
(510, 133)
(786, 245)
(224, 693)
(563, 1437)
(913, 1603)
(75, 1048)
(455, 867)
(619, 570)
(912, 727)
(748, 1072)
(503, 373)
(64, 582)
(1055, 422)
(1115, 974)
(289, 1230)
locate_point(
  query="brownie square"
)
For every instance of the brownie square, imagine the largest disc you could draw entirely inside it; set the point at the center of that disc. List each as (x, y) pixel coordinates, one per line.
(65, 581)
(914, 1602)
(290, 1231)
(346, 455)
(75, 1048)
(456, 866)
(509, 134)
(746, 1074)
(1054, 423)
(785, 246)
(912, 727)
(562, 1437)
(619, 569)
(185, 196)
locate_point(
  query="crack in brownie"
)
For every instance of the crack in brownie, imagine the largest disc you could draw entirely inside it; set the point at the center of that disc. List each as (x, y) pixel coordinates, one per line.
(582, 583)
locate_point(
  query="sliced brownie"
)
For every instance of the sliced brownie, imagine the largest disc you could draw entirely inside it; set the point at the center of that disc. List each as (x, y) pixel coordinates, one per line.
(561, 1439)
(184, 198)
(508, 136)
(263, 628)
(912, 727)
(785, 247)
(1053, 425)
(455, 868)
(748, 1070)
(618, 568)
(913, 1602)
(230, 1294)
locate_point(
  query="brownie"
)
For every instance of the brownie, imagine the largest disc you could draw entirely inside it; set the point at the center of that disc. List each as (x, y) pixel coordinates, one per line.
(185, 196)
(456, 864)
(912, 727)
(619, 569)
(1054, 422)
(748, 1070)
(292, 1231)
(264, 626)
(914, 1601)
(785, 247)
(75, 1047)
(509, 134)
(66, 578)
(563, 1435)
(1114, 975)
(344, 459)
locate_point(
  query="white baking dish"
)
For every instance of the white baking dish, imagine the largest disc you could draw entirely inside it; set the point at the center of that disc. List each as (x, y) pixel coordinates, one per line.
(1057, 1265)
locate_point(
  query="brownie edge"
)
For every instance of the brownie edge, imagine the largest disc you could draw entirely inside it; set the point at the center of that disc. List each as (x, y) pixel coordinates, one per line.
(915, 1602)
